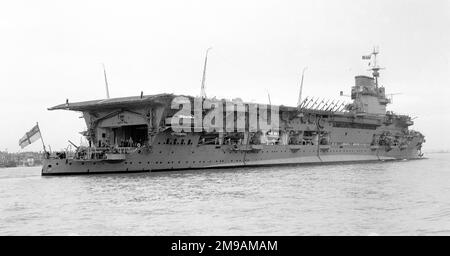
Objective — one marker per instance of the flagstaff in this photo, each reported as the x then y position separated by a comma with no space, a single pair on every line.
42,139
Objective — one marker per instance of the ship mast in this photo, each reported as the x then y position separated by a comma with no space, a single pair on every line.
375,68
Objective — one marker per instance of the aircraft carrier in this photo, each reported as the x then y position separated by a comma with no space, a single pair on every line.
162,132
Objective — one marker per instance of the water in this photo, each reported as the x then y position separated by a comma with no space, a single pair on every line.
391,198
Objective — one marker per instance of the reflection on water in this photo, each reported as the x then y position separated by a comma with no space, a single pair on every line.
391,198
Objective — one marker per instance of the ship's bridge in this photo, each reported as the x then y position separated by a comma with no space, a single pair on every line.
368,97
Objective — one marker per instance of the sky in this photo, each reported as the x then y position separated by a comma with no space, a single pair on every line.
51,51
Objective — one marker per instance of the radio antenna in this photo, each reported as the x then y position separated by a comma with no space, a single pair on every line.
268,95
301,88
203,92
106,81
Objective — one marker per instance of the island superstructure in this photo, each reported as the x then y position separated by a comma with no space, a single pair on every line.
161,132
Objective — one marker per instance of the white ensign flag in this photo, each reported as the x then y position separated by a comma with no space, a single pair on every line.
30,137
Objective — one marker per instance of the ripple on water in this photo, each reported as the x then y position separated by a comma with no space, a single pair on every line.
391,198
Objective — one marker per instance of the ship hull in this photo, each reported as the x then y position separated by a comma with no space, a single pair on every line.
169,157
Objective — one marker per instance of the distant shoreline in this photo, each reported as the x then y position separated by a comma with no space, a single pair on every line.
437,152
